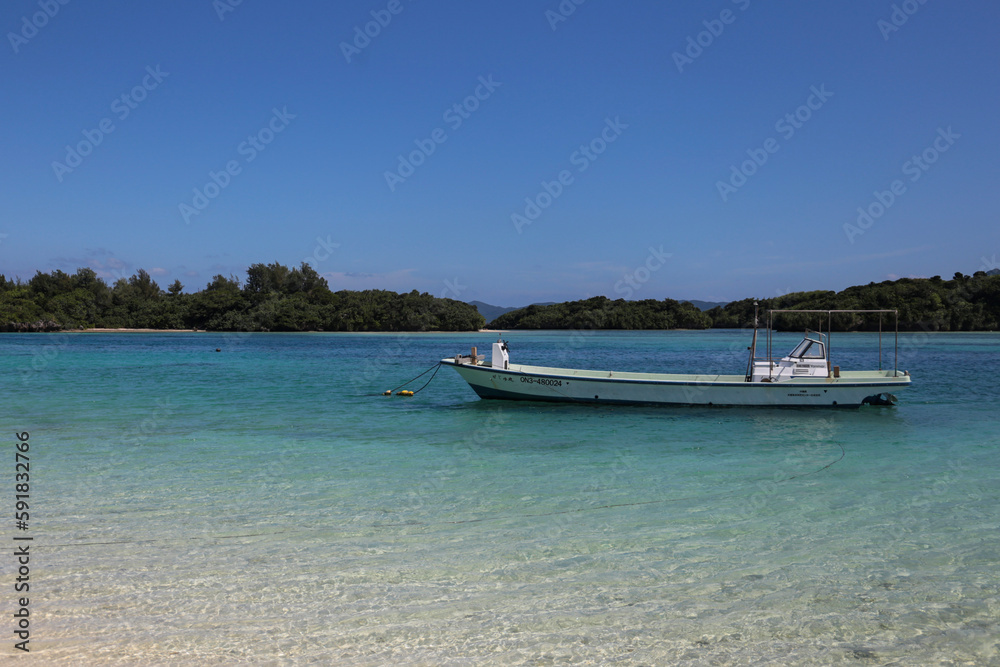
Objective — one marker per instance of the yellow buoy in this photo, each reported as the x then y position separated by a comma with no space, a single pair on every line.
387,393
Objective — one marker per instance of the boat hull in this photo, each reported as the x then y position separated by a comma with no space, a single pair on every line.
536,383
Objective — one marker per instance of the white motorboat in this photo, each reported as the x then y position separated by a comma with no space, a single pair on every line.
803,377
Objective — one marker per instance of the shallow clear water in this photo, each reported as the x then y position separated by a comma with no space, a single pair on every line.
265,503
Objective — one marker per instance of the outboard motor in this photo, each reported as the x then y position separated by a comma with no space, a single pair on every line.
880,399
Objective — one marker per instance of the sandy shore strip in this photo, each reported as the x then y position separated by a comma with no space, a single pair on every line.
99,330
104,330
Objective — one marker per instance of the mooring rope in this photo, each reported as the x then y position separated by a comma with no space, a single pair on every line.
436,367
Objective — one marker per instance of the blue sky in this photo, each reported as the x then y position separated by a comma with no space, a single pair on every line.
707,150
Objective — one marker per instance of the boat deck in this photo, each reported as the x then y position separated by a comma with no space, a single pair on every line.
580,374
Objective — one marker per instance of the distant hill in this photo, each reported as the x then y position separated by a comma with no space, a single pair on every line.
703,305
600,312
488,311
491,312
993,272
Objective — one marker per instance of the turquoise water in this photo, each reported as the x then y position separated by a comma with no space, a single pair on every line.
264,504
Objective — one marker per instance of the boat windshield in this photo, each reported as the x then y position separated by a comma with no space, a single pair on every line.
809,349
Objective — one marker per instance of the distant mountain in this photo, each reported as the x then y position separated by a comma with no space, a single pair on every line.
705,305
492,312
993,272
488,311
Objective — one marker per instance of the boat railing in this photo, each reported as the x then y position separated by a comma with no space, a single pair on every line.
824,338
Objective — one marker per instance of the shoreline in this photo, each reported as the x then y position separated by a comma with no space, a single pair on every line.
105,330
479,331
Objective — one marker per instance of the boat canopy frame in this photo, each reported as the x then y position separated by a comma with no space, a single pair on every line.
828,338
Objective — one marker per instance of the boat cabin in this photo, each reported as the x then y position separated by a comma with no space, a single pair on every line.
808,359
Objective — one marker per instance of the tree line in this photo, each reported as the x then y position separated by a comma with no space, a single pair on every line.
964,303
272,298
600,312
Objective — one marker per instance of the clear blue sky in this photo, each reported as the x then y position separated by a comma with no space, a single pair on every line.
866,91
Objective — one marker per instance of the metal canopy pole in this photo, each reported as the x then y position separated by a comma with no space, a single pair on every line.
880,341
770,323
829,339
829,313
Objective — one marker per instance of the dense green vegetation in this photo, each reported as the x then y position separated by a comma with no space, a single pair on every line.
600,312
964,303
273,298
276,298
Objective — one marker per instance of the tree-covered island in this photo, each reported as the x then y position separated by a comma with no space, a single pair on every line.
272,298
277,298
964,303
